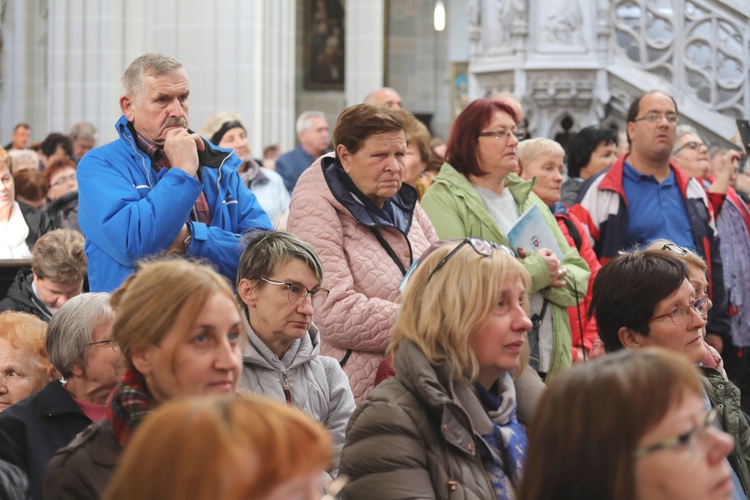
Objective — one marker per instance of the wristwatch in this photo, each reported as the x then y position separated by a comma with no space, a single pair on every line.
186,242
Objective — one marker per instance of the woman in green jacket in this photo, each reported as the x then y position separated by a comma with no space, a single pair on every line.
468,198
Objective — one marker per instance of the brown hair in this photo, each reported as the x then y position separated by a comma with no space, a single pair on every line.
56,166
586,451
31,184
164,293
417,133
59,256
247,447
24,330
357,123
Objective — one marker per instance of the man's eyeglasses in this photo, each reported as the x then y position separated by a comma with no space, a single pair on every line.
480,246
504,134
683,439
681,315
112,344
695,146
672,118
296,292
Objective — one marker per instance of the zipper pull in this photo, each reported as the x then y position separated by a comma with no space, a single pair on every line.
285,384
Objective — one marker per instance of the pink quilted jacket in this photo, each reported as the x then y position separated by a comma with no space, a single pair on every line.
362,277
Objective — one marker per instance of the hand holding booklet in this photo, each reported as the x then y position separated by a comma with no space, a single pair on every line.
532,233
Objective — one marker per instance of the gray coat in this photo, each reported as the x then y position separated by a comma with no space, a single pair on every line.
417,436
317,384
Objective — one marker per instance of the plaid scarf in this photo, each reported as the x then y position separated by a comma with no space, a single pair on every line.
200,212
129,403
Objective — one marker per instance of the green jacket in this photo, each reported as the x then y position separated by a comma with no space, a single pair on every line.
457,211
725,397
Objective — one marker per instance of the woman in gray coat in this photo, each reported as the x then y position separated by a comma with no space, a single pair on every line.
445,425
279,281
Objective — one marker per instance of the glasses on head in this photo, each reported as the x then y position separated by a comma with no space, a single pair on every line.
64,180
695,146
504,134
680,315
683,439
677,249
671,118
112,344
296,292
480,246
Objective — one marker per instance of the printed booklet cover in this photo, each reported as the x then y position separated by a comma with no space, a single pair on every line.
532,233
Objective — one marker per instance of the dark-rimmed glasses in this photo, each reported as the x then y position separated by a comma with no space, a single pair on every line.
504,134
680,440
695,146
480,246
296,292
112,344
671,118
680,315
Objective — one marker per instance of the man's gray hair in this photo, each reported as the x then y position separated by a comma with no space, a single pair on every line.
304,120
84,130
148,64
71,328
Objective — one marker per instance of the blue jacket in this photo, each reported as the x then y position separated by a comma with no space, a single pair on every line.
129,211
603,209
291,164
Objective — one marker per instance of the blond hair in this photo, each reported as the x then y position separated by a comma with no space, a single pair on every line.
247,447
692,260
530,149
164,294
441,316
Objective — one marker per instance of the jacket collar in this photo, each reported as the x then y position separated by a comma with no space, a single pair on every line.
55,400
612,180
397,211
302,350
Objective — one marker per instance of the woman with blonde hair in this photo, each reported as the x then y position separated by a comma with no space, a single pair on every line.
650,435
445,425
248,447
179,330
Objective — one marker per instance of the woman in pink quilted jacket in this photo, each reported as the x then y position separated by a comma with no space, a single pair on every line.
367,228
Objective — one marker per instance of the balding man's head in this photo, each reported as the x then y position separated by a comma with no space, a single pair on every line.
384,97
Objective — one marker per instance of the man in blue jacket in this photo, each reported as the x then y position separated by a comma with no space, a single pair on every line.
160,187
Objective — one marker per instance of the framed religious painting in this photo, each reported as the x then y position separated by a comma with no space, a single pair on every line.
324,46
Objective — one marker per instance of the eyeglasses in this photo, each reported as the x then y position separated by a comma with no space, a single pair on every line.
296,292
480,246
504,134
112,344
695,146
672,118
64,180
681,315
683,439
676,249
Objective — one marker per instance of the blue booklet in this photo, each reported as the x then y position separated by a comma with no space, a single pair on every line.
532,233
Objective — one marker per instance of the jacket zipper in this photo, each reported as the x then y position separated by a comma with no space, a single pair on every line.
285,384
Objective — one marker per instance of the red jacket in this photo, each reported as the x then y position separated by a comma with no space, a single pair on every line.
583,332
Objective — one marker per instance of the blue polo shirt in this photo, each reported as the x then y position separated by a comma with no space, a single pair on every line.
655,210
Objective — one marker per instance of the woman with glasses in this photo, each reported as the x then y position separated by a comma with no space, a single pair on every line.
477,194
365,223
732,223
179,332
445,425
62,205
648,434
724,395
279,281
646,299
79,345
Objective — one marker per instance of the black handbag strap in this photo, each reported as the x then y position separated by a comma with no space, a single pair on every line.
389,250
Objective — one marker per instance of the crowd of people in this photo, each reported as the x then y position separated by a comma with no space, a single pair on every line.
358,317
